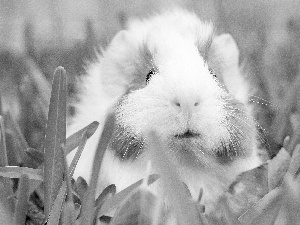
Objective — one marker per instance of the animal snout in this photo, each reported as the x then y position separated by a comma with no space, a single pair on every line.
185,105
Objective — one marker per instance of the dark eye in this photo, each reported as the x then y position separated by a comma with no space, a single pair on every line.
212,72
149,75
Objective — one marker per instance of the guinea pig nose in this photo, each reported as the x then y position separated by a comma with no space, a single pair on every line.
176,103
185,105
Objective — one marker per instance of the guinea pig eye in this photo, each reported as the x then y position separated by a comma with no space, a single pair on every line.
149,75
212,72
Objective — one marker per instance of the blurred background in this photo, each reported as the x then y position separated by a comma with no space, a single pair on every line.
36,36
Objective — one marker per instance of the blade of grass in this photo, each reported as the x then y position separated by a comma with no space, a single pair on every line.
6,203
16,172
35,175
55,136
277,168
40,81
16,131
1,105
75,160
108,191
115,201
20,144
172,187
3,151
295,162
5,214
136,209
54,216
22,203
68,178
88,208
291,199
68,209
265,210
81,187
68,214
295,139
74,140
58,203
282,118
4,162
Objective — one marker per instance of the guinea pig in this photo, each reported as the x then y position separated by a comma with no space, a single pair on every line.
178,78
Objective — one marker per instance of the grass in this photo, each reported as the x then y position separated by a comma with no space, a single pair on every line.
51,177
65,201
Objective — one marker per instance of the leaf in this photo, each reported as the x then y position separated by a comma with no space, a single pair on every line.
119,197
18,139
110,189
4,162
5,213
172,187
58,203
265,211
295,162
68,214
89,202
77,208
3,151
281,121
74,140
81,187
137,209
68,178
55,137
54,215
68,207
35,175
41,83
22,203
291,199
16,131
82,142
17,172
277,168
295,139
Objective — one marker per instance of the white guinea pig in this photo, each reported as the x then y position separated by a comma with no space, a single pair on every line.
185,83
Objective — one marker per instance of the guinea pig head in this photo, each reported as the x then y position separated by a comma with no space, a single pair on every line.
177,76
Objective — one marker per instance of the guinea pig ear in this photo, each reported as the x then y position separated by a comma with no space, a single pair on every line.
223,58
120,37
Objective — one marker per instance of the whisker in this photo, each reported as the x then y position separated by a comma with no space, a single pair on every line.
239,131
255,122
237,116
232,113
259,130
260,101
260,98
234,140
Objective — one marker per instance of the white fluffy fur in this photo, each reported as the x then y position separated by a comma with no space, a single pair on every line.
175,39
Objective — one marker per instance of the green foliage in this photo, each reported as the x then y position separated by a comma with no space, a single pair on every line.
54,139
43,177
22,202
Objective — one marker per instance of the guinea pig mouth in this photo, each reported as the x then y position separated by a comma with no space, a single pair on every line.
187,134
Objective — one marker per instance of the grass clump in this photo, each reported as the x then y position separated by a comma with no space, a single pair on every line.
41,188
